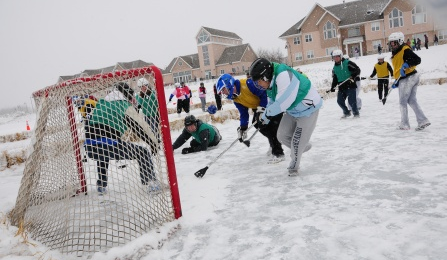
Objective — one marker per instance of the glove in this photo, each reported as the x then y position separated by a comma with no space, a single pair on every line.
351,80
332,89
263,121
257,115
395,84
402,70
188,150
242,133
170,100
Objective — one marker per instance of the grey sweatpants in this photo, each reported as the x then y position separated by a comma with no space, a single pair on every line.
295,133
407,96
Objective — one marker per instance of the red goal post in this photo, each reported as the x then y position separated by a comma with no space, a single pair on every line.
95,177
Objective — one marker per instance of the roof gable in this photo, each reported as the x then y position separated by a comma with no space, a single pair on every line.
219,33
232,54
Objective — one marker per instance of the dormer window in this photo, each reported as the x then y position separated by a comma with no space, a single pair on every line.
203,37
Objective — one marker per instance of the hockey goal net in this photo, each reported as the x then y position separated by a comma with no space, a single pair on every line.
100,170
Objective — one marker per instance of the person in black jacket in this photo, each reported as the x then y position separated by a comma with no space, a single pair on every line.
343,77
383,70
204,135
218,98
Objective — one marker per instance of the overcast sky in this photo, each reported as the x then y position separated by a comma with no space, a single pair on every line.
41,40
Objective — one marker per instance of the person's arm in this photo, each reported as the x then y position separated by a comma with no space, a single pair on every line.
411,58
204,140
288,86
183,137
390,69
375,72
354,69
334,81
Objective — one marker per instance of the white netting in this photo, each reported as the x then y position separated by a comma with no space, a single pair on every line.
100,170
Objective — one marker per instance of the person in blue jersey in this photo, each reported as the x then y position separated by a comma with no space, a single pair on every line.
344,76
290,92
204,136
246,96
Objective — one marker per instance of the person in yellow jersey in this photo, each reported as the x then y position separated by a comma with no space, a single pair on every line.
404,61
383,70
245,96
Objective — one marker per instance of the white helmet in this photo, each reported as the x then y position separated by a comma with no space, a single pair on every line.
397,36
346,57
381,57
142,82
177,85
337,53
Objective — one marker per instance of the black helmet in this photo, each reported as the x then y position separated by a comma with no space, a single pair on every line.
190,120
261,69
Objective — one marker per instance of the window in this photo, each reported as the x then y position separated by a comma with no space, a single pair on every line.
442,35
207,74
308,37
180,63
298,56
329,31
418,14
329,50
184,76
206,57
375,26
354,32
396,18
222,72
203,37
233,70
376,43
310,54
297,40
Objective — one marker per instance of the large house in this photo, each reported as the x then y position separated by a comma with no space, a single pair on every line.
219,52
357,26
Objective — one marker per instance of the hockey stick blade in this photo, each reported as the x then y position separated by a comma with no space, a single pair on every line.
201,172
247,143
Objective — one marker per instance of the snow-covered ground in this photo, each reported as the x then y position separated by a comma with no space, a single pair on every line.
365,190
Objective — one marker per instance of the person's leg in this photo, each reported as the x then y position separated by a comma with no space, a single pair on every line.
186,105
357,94
380,88
341,97
271,132
352,99
404,94
413,103
295,133
179,106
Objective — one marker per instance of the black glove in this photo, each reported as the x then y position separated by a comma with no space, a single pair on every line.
332,89
257,114
242,133
188,150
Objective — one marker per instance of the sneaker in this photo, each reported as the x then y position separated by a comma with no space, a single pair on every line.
346,115
402,128
293,173
276,158
422,127
101,190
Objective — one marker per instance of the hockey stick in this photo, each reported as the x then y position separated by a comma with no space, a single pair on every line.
391,89
247,142
338,85
201,172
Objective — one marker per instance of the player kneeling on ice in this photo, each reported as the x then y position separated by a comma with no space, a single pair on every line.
290,92
245,96
204,136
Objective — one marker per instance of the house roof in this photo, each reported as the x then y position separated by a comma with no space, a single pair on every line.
232,54
348,13
118,66
192,60
221,33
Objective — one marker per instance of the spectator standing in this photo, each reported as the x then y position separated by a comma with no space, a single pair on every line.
379,49
418,44
356,53
204,136
383,70
404,62
426,41
202,96
343,76
290,93
435,40
183,95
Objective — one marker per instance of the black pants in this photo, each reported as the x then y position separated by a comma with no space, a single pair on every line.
270,131
183,104
382,85
103,153
218,101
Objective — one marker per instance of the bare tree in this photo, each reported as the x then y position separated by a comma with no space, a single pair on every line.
271,55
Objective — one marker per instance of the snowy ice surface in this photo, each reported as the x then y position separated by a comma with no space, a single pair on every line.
365,189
